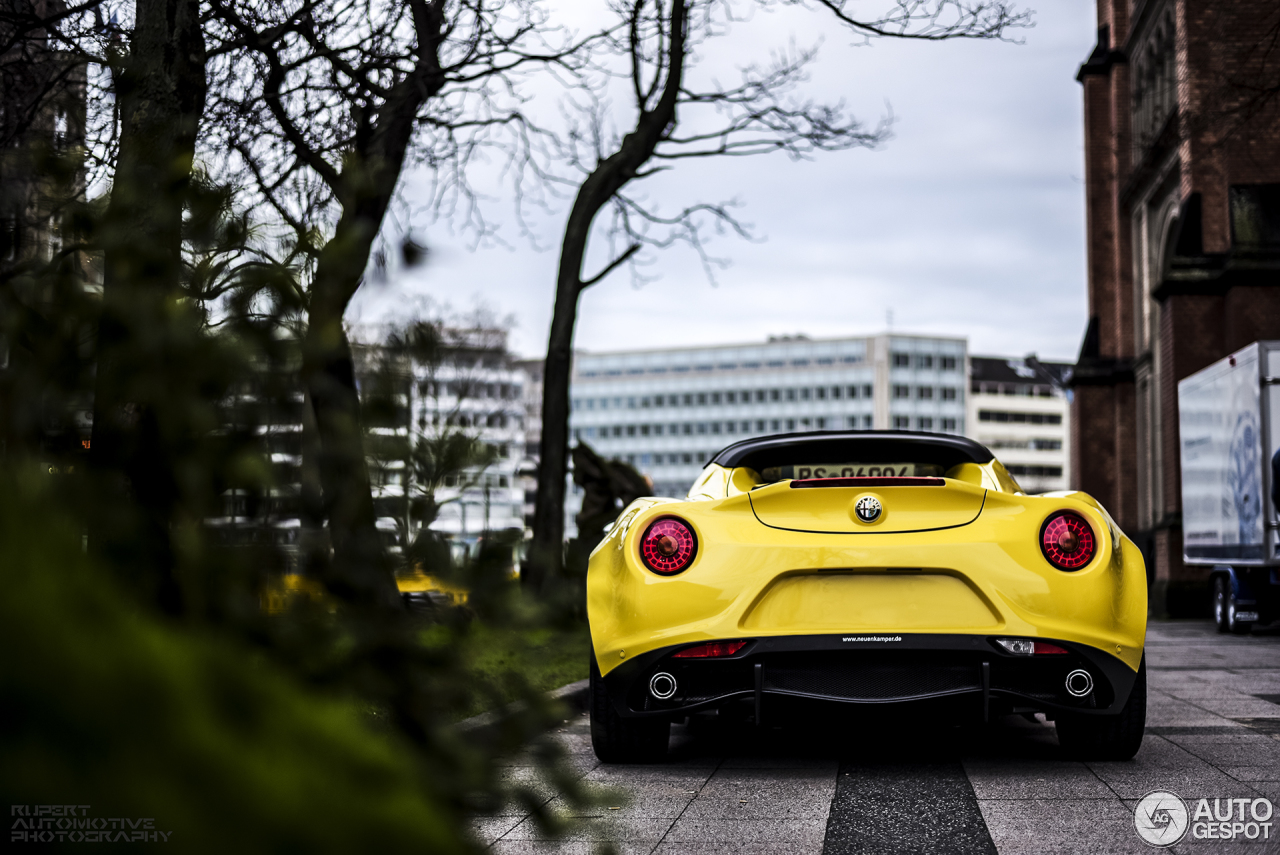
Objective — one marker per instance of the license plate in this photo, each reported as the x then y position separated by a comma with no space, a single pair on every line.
1246,617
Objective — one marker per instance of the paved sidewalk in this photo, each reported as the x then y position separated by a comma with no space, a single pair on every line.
894,788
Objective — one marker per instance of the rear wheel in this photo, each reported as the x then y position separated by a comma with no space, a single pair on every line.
623,740
1108,737
1226,608
1221,591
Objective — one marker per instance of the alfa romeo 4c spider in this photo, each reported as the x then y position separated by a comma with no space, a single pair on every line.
865,568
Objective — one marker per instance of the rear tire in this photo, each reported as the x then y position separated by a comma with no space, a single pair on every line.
1220,594
1226,607
623,740
1109,737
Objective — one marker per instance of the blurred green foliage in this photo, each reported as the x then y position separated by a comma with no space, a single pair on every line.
142,674
108,706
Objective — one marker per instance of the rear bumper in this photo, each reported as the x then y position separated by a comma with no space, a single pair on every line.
873,670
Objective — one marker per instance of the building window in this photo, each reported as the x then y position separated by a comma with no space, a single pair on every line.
774,395
866,422
822,423
924,423
791,394
853,392
715,397
835,393
702,397
820,393
924,360
866,390
901,422
791,424
686,458
925,393
900,391
1035,471
852,422
804,424
746,427
715,427
947,363
804,394
688,429
631,430
901,360
948,425
759,425
948,393
702,427
1019,418
774,424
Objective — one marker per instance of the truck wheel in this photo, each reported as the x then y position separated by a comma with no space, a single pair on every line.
1110,737
1221,591
1230,608
623,740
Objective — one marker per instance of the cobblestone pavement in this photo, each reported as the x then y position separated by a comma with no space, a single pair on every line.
1213,731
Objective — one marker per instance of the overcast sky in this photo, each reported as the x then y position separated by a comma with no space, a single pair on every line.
969,221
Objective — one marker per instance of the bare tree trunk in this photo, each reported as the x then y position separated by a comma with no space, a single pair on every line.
160,86
609,176
359,572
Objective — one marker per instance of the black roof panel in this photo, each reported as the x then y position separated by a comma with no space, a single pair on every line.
862,446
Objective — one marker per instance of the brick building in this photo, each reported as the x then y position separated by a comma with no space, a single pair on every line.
1182,175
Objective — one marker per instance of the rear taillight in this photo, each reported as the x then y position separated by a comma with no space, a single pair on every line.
710,650
1067,541
668,546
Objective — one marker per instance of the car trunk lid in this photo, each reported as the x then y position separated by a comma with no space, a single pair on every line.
831,505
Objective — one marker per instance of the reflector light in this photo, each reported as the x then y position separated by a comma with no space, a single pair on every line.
1044,649
668,546
710,650
1067,541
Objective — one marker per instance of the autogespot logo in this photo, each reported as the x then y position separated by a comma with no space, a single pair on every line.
1161,818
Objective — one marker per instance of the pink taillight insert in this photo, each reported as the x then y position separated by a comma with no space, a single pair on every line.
710,650
668,546
1067,541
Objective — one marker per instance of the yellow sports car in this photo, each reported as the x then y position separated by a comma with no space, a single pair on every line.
866,568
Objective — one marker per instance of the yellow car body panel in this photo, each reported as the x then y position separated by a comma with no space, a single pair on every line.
961,558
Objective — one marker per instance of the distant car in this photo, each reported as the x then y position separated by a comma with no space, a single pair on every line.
866,568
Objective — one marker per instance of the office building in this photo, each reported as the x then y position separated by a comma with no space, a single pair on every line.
1019,408
668,411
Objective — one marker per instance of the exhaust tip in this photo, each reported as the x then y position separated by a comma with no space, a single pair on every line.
1079,683
662,685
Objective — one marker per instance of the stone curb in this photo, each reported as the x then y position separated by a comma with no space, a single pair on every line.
573,696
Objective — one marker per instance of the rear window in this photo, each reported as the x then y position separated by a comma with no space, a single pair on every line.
771,474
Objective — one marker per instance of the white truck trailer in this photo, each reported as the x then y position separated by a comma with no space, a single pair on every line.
1229,429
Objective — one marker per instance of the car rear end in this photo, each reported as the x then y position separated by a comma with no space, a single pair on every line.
956,590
